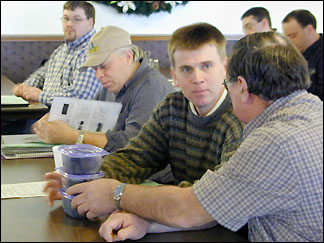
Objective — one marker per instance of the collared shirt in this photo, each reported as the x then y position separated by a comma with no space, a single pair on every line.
60,75
314,57
215,107
274,181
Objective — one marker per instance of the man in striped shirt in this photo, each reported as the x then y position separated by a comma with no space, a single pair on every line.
192,130
60,75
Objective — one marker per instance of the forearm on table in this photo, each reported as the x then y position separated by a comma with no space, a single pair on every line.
167,205
161,228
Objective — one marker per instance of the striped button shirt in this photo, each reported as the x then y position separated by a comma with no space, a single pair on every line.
60,75
274,181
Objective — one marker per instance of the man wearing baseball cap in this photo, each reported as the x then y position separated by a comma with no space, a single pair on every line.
127,78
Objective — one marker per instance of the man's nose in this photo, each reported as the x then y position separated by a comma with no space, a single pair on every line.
99,73
197,76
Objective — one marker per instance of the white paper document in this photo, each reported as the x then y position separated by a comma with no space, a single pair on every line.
20,190
88,115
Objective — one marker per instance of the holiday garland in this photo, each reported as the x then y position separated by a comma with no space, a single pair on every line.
142,7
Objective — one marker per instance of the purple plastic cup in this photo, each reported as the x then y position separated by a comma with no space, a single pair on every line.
82,159
70,180
73,212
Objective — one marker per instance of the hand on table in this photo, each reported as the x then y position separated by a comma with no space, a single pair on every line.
18,89
31,93
52,187
95,197
121,226
27,92
54,132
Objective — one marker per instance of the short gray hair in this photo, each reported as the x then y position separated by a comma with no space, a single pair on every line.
138,53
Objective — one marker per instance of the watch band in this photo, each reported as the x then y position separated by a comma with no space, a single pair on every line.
118,192
80,138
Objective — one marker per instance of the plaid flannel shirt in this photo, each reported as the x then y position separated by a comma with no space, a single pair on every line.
274,181
60,75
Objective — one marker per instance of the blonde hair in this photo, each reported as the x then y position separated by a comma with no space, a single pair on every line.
194,36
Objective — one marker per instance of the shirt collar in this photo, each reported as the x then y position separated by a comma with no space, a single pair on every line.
218,103
81,40
142,66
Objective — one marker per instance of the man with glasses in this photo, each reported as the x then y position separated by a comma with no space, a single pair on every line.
256,20
60,75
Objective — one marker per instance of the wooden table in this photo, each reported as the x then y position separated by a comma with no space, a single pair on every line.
33,110
31,219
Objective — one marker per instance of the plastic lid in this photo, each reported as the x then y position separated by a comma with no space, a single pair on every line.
64,194
82,150
71,176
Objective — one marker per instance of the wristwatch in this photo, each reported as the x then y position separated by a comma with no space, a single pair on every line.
118,192
80,138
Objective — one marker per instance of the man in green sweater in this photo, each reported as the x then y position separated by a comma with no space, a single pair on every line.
192,131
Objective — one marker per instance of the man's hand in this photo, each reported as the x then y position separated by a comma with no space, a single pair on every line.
27,92
31,93
52,187
121,226
95,197
54,132
18,89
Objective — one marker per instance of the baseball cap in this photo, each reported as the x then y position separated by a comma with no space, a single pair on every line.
103,43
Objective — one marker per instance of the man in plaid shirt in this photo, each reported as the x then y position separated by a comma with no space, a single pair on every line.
60,75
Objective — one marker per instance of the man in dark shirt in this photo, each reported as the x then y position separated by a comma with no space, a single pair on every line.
256,20
300,27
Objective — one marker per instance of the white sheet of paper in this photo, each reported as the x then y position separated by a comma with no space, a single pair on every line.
20,190
88,115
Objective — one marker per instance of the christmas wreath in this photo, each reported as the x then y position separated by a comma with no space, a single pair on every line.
142,7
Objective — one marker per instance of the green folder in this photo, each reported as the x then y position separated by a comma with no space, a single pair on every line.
24,146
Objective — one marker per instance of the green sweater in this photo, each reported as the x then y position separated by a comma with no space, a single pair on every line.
173,135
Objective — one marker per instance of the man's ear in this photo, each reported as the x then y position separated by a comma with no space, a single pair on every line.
245,95
174,77
265,23
225,65
91,22
129,56
309,29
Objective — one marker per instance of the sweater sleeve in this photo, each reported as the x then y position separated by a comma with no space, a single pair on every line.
142,157
233,138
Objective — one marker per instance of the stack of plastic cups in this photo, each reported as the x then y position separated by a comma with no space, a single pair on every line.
81,163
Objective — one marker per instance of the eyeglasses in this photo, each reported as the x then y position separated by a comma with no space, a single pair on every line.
73,20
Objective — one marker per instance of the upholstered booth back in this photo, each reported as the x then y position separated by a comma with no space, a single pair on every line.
19,58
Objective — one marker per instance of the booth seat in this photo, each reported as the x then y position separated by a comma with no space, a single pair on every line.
20,56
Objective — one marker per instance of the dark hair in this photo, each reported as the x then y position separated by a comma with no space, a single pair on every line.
193,36
303,17
270,64
87,7
259,13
